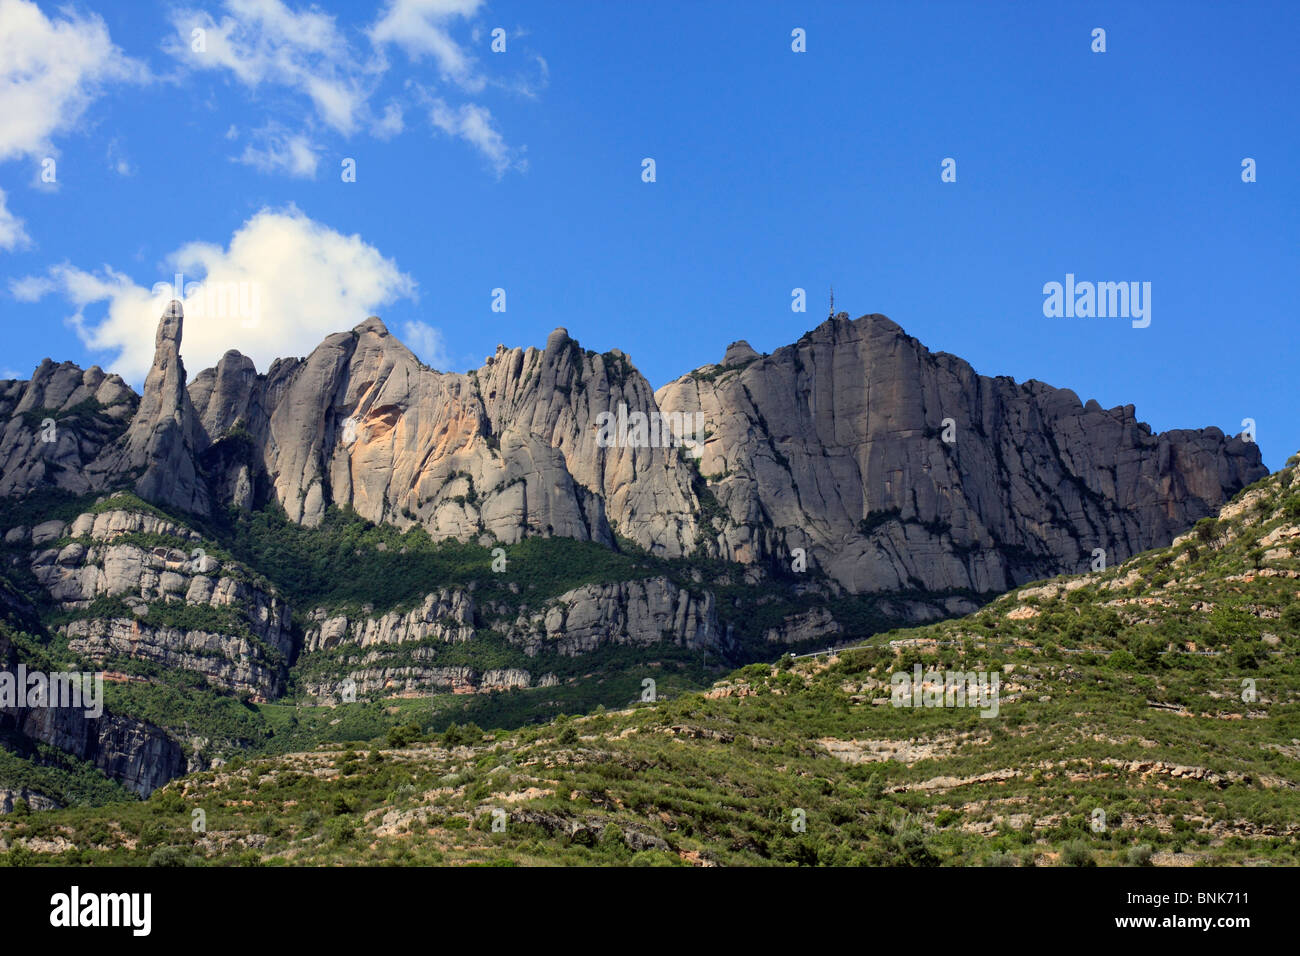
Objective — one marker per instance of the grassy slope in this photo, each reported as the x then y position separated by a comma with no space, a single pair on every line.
1122,692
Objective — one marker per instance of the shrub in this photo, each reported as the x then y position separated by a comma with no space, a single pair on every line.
341,830
167,856
399,737
1148,651
167,801
913,849
468,735
1245,654
1077,853
1122,660
1140,855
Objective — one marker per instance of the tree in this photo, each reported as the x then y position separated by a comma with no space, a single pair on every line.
1148,652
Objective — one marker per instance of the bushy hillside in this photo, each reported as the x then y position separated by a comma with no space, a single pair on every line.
1145,714
217,630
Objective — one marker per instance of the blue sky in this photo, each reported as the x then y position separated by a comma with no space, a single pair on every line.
522,170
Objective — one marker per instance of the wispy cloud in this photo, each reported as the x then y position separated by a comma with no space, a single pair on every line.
51,70
427,343
390,123
31,288
306,279
264,42
12,233
420,29
279,150
474,125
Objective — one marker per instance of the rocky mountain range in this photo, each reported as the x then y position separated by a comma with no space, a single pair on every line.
892,467
337,526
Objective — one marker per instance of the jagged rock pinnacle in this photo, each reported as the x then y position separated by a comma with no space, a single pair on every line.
170,325
557,339
738,353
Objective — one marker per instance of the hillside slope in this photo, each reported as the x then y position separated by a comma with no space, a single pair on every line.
239,552
1145,714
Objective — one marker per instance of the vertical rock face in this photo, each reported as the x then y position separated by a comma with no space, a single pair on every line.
136,754
552,399
164,438
508,450
57,424
894,468
836,444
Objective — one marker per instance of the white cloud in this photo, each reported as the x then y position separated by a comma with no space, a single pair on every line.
50,72
117,160
390,124
427,343
473,123
281,151
290,281
419,27
12,234
264,41
31,288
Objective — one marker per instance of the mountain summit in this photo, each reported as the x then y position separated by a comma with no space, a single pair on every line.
892,468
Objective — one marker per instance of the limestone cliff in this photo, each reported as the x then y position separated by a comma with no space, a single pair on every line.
896,468
893,468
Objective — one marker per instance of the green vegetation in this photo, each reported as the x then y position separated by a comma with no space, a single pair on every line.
57,775
1164,692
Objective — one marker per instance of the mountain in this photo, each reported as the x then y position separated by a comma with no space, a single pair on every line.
893,467
836,444
1145,714
243,552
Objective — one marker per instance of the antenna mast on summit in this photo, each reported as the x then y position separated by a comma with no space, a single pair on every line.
831,314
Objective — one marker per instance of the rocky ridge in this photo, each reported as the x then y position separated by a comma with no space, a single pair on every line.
894,468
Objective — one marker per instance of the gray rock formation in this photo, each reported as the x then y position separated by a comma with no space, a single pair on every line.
505,451
447,616
836,445
164,438
639,613
642,613
419,681
57,424
138,755
249,652
34,800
